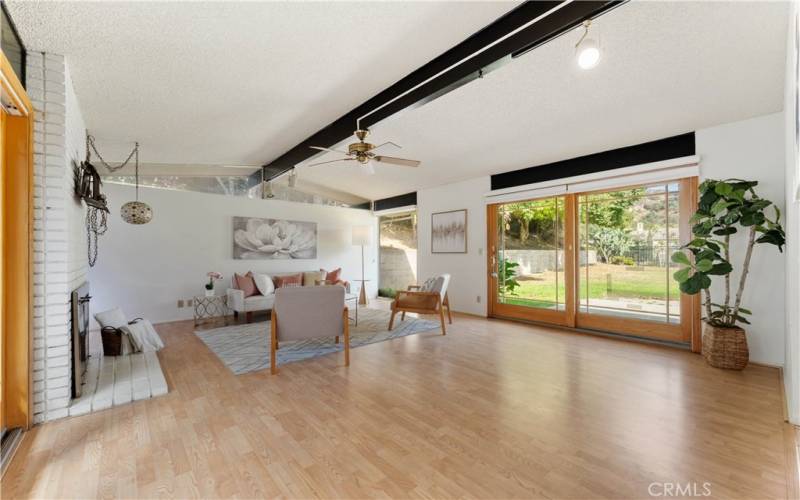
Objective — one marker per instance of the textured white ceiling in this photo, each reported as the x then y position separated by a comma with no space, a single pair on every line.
667,68
235,83
241,83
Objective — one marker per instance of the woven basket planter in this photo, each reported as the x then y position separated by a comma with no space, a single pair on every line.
725,347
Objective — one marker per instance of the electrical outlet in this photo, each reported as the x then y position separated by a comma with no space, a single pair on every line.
478,299
180,303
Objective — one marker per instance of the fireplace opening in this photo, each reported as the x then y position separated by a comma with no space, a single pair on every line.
80,336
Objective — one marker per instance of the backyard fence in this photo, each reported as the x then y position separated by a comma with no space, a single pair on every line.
539,261
652,254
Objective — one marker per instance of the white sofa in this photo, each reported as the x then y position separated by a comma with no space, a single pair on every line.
256,303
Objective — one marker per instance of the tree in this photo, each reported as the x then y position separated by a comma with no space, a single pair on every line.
609,241
723,206
612,209
540,214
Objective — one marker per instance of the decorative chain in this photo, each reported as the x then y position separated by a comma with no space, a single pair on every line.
90,146
94,229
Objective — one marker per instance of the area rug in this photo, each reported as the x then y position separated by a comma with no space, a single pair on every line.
245,348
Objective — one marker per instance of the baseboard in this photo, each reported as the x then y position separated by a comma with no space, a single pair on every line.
791,438
767,365
474,315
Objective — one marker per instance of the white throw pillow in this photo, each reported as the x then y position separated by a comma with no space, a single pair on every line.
113,317
428,285
264,284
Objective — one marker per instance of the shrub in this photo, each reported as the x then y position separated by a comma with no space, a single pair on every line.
619,260
609,241
508,278
387,292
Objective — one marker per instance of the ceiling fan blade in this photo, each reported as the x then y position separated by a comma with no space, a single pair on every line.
329,150
398,161
386,144
329,161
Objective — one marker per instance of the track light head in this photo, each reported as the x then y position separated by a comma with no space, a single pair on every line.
587,50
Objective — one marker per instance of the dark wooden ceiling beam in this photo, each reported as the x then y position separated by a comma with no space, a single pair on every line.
400,95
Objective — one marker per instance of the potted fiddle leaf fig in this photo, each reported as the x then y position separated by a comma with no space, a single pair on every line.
725,208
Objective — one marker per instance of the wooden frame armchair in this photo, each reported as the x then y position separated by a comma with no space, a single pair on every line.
308,312
430,298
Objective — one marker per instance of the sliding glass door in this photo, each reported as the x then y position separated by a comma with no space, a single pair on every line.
531,260
594,260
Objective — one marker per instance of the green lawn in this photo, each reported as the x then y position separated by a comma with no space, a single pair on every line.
644,283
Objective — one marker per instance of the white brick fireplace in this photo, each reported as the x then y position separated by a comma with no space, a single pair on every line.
60,262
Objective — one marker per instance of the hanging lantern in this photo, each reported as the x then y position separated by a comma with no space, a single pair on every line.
136,212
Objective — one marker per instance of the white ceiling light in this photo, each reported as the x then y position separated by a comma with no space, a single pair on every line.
587,50
368,168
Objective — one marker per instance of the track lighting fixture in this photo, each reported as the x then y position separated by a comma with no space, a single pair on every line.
293,178
587,50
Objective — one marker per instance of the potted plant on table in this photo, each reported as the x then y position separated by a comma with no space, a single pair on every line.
212,276
724,208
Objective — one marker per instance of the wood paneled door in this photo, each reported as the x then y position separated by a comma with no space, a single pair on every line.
596,260
16,221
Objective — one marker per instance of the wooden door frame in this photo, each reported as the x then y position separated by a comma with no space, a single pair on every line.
687,331
564,317
17,229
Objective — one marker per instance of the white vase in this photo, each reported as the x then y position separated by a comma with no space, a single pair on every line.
209,293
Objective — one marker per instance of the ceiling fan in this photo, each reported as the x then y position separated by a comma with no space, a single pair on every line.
363,153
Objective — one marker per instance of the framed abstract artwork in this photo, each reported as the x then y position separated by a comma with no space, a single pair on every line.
260,239
449,232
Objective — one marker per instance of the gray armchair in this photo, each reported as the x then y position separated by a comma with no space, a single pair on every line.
308,313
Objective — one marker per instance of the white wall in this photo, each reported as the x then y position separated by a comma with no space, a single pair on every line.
58,238
791,369
753,150
468,271
749,149
146,269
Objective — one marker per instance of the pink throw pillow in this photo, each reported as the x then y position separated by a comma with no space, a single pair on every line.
333,276
289,280
246,284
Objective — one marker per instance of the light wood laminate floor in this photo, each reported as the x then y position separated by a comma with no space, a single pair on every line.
493,410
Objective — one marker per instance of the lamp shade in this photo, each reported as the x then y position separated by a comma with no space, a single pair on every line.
362,235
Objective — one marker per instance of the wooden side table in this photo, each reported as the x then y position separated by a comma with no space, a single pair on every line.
210,308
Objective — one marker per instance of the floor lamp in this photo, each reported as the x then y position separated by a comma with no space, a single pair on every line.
362,237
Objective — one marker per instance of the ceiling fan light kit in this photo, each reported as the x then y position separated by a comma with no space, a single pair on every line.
364,153
368,168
